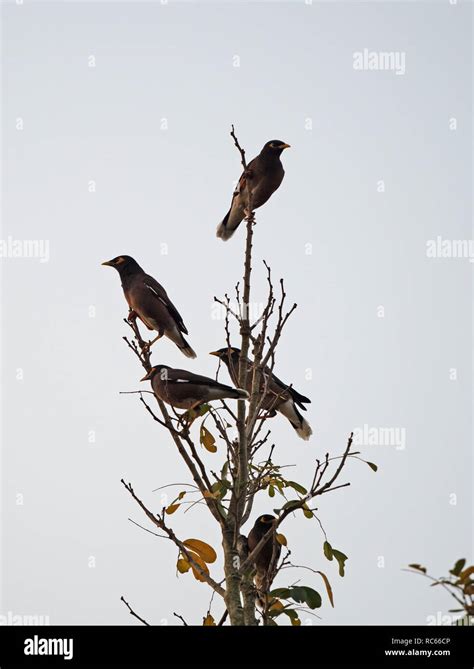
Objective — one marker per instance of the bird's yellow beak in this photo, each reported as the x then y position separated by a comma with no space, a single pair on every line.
285,146
216,353
109,263
147,376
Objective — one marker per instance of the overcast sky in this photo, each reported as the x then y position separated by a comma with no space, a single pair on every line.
115,127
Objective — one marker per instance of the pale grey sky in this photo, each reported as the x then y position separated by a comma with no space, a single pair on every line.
148,125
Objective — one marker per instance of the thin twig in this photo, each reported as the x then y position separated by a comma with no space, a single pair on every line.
132,613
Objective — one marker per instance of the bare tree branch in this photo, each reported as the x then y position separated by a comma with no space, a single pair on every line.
132,612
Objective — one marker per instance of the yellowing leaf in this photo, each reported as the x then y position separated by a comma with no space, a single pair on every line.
210,495
296,622
172,508
282,539
328,587
277,606
207,440
209,621
465,575
183,566
205,552
197,575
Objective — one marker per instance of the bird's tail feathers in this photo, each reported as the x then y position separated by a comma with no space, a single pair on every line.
242,394
300,424
230,222
223,231
263,599
304,430
300,399
186,349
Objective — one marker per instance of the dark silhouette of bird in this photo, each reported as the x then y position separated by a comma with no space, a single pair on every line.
263,176
149,301
185,390
279,397
266,561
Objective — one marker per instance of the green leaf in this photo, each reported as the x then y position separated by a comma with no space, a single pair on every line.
219,488
225,470
296,486
327,548
280,593
271,491
307,512
292,504
293,616
458,567
372,466
300,594
341,558
306,595
279,484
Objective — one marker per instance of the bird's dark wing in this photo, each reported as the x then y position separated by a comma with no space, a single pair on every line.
298,398
183,376
160,293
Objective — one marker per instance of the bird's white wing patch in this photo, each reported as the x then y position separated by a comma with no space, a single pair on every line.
162,300
152,289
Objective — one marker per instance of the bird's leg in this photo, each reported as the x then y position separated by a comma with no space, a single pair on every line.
197,409
190,415
150,343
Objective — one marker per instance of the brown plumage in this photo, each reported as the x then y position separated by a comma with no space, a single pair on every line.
149,301
185,390
279,397
266,561
263,176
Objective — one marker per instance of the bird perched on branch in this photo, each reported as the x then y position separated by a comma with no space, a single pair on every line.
263,176
266,561
185,390
149,301
279,396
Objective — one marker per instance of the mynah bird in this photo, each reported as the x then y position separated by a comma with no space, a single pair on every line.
267,559
149,301
185,390
263,176
279,396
